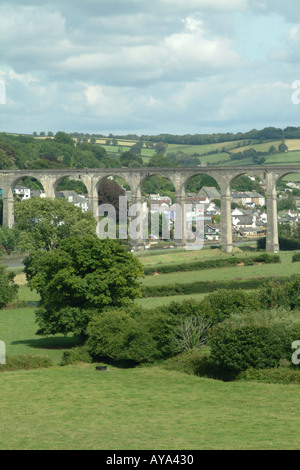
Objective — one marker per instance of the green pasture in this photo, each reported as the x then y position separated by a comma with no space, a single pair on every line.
216,159
205,148
18,331
288,158
155,302
263,147
179,256
286,268
79,408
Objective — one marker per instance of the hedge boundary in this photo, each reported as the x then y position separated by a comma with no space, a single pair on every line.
264,258
204,287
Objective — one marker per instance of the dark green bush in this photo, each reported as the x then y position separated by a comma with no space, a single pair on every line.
281,293
285,244
186,308
293,292
26,362
221,304
273,294
75,355
116,335
216,307
186,362
8,289
9,238
281,375
198,362
296,257
239,349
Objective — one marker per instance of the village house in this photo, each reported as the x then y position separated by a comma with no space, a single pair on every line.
76,199
212,232
248,199
22,192
209,192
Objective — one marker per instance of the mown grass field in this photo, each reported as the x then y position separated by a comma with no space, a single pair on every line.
78,408
286,268
145,408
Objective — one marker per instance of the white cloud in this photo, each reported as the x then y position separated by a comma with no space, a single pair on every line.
166,64
260,101
186,54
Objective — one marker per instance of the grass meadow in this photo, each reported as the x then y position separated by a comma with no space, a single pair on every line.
78,408
145,408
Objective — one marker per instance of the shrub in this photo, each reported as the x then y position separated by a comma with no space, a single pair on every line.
273,294
186,362
255,340
187,308
198,362
238,349
285,244
9,239
284,323
221,304
75,355
191,333
8,289
293,292
161,326
114,334
25,362
278,293
281,375
296,257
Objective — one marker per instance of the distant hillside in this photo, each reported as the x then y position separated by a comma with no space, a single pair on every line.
269,146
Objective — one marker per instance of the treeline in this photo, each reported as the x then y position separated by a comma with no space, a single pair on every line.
26,152
268,133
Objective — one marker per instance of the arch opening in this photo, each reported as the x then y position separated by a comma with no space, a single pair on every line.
203,198
157,211
288,211
73,190
27,187
113,198
248,210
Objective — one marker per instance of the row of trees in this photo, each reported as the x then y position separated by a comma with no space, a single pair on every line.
268,133
258,156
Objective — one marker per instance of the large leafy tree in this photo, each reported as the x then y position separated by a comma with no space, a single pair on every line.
44,222
80,278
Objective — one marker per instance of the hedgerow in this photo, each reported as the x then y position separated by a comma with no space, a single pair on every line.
213,263
205,287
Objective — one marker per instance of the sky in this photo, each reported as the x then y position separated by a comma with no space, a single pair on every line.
133,66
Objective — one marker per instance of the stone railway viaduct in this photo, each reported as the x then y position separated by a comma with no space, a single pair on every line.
179,177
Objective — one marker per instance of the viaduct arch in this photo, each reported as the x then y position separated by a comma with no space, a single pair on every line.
179,177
